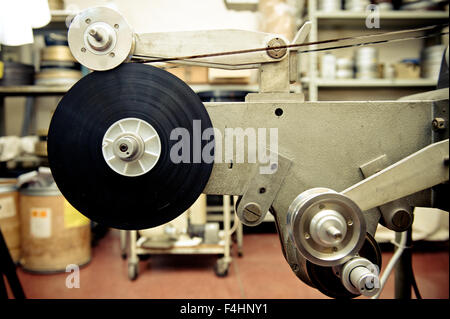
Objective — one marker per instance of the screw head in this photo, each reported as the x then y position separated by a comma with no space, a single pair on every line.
252,212
83,49
87,20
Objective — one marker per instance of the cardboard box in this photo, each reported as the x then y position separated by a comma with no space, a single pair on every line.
229,76
407,70
190,74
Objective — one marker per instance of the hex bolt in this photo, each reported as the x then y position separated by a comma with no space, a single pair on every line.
252,212
438,123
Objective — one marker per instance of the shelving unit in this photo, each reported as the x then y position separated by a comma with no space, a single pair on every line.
387,18
40,90
32,90
348,20
375,83
27,90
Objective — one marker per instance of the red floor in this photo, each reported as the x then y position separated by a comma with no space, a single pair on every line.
261,273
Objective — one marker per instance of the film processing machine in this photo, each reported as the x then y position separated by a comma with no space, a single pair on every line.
132,146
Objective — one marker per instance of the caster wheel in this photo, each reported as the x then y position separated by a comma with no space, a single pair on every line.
144,257
132,271
124,255
221,268
240,254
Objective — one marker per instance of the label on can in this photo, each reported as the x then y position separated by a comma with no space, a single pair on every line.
72,217
41,222
7,207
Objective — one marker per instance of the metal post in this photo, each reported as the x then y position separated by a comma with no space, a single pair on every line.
133,253
227,226
403,270
28,116
123,243
240,237
313,37
2,116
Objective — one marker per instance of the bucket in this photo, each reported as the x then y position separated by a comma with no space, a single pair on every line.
53,233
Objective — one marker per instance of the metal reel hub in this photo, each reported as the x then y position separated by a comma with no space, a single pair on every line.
327,228
100,38
131,147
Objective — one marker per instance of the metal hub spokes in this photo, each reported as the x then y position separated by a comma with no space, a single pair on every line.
131,147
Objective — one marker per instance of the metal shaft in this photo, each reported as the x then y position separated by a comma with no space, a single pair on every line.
403,273
96,35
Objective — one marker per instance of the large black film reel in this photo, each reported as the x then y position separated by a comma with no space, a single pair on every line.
77,132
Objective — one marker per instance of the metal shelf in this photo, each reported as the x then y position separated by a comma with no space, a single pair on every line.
199,249
60,90
33,90
375,83
228,87
61,15
387,18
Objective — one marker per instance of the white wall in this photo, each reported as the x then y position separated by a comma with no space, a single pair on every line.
177,15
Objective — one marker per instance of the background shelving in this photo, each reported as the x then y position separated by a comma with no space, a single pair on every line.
344,23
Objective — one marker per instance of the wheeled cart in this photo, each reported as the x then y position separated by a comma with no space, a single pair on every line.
137,247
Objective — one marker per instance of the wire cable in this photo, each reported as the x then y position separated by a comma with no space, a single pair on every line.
152,59
401,247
